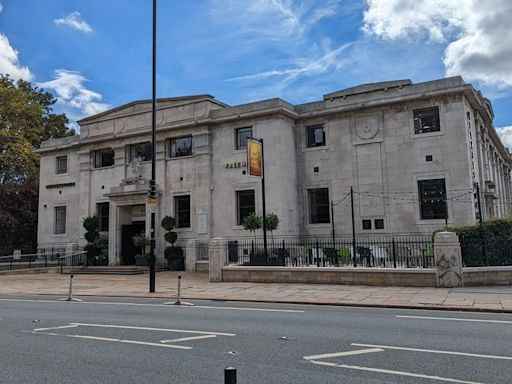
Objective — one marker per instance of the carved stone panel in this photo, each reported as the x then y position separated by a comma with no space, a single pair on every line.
448,260
367,128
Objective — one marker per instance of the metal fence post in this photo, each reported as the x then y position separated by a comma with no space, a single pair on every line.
317,254
394,252
229,375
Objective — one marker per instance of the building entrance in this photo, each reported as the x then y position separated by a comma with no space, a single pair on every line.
128,250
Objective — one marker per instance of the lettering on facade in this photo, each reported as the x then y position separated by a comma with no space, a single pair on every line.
62,185
237,164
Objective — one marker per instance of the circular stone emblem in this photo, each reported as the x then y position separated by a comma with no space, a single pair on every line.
367,127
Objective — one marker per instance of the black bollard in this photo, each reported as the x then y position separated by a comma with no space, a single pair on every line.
229,375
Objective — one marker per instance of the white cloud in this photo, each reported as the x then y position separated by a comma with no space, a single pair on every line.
275,19
505,134
74,20
9,62
1,7
72,93
477,33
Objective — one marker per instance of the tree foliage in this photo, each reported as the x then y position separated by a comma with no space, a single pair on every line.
26,120
252,222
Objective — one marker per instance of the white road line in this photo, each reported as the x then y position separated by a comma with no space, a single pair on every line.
59,327
399,373
385,347
161,305
153,329
339,354
128,341
455,319
188,338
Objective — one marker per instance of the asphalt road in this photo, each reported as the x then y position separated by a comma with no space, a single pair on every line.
141,341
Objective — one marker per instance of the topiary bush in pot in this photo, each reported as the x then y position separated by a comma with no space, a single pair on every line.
173,254
141,241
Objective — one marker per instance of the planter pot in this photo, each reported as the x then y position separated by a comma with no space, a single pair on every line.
176,264
142,261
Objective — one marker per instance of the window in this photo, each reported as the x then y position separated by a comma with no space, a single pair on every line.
319,205
315,136
242,134
432,197
103,158
182,211
426,120
180,146
379,223
140,151
60,220
102,210
367,224
245,205
62,164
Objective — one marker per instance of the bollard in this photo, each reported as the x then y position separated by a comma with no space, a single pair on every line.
230,375
178,296
70,294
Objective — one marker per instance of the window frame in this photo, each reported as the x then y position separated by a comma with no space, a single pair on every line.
101,215
238,144
366,224
313,128
313,215
97,158
421,130
239,216
57,230
178,211
58,170
172,140
378,227
425,199
132,151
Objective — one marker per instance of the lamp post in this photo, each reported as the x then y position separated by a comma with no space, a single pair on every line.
152,182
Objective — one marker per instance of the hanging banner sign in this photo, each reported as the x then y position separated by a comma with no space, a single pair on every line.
255,157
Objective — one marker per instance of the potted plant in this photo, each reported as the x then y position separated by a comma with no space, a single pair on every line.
141,241
97,245
173,254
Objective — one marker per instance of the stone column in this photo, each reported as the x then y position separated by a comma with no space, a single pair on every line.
191,255
448,260
218,255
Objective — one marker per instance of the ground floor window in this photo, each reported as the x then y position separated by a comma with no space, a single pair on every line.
245,205
182,211
60,220
318,205
432,198
102,210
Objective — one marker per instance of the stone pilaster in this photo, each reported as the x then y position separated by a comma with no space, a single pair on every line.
218,255
448,260
191,255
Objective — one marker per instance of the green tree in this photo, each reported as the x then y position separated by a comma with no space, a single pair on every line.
26,120
252,223
271,223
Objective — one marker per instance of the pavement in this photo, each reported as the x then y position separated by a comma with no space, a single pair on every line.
196,286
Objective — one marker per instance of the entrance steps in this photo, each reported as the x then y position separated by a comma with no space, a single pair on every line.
108,270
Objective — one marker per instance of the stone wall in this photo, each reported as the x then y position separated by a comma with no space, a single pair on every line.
487,276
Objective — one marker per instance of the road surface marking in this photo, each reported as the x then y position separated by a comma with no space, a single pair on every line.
386,347
399,373
129,341
161,305
59,327
455,319
152,329
188,338
339,354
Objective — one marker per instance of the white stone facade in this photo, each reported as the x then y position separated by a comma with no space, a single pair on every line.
370,143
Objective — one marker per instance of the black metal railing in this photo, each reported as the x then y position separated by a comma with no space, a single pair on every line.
27,261
482,252
384,252
73,260
202,251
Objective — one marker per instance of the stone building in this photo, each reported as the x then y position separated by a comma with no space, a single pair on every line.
413,154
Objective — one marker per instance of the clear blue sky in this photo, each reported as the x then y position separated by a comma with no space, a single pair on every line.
97,54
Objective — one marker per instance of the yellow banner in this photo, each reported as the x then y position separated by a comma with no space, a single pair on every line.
255,158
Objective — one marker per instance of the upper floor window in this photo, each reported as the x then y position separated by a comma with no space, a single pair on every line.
60,220
140,151
242,134
103,158
180,146
426,120
315,136
102,210
245,205
182,211
319,205
432,197
62,164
